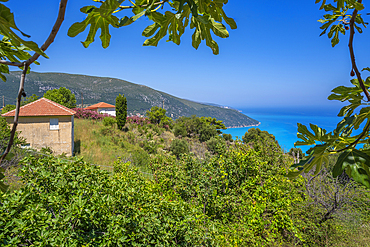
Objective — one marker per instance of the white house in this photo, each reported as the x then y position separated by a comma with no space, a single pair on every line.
103,108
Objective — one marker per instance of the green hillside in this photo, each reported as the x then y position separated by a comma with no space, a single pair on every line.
140,98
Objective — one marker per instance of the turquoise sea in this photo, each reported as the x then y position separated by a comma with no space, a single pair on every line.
282,122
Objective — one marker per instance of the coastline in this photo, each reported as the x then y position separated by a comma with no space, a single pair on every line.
243,126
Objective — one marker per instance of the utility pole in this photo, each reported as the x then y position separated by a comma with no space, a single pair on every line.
3,101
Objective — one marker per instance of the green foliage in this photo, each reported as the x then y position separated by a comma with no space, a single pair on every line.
12,47
216,145
255,134
206,132
203,128
61,96
179,130
346,15
202,16
238,197
339,19
296,152
158,116
29,99
5,135
179,146
216,123
7,108
4,139
109,121
227,137
140,158
76,204
245,196
121,111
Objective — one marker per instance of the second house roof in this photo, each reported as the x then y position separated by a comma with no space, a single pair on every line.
100,105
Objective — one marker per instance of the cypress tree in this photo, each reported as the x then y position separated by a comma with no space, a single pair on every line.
121,111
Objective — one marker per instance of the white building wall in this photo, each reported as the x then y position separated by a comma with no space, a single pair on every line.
110,111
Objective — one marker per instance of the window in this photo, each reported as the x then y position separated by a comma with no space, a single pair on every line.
54,124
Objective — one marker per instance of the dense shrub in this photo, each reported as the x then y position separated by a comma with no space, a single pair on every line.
77,204
15,153
207,132
195,127
7,108
109,121
179,147
150,146
89,114
179,130
140,158
158,116
246,200
255,135
138,120
216,145
227,137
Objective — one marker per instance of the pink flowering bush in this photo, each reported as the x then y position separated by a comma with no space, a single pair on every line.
138,120
89,114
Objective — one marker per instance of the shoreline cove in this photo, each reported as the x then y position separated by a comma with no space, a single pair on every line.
244,126
283,124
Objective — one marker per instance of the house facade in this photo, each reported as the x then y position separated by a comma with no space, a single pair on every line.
44,123
103,108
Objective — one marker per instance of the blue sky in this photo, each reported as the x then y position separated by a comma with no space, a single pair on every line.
275,58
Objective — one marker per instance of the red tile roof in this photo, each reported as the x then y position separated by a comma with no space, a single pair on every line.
42,107
100,105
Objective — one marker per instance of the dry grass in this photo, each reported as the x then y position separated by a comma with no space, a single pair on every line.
102,145
94,147
357,235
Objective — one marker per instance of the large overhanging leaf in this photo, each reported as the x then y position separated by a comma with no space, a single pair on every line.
356,164
97,18
203,15
318,158
13,54
7,25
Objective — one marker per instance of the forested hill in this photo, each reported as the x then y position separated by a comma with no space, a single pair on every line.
139,98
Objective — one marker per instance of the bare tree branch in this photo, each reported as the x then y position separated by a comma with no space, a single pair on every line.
15,122
364,133
26,64
11,63
54,31
352,53
333,195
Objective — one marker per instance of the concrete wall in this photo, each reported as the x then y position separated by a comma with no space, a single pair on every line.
36,131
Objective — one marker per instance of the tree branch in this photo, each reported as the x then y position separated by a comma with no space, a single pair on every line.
352,53
364,132
54,31
15,122
26,64
11,63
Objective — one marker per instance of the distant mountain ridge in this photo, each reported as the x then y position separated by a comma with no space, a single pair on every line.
140,98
